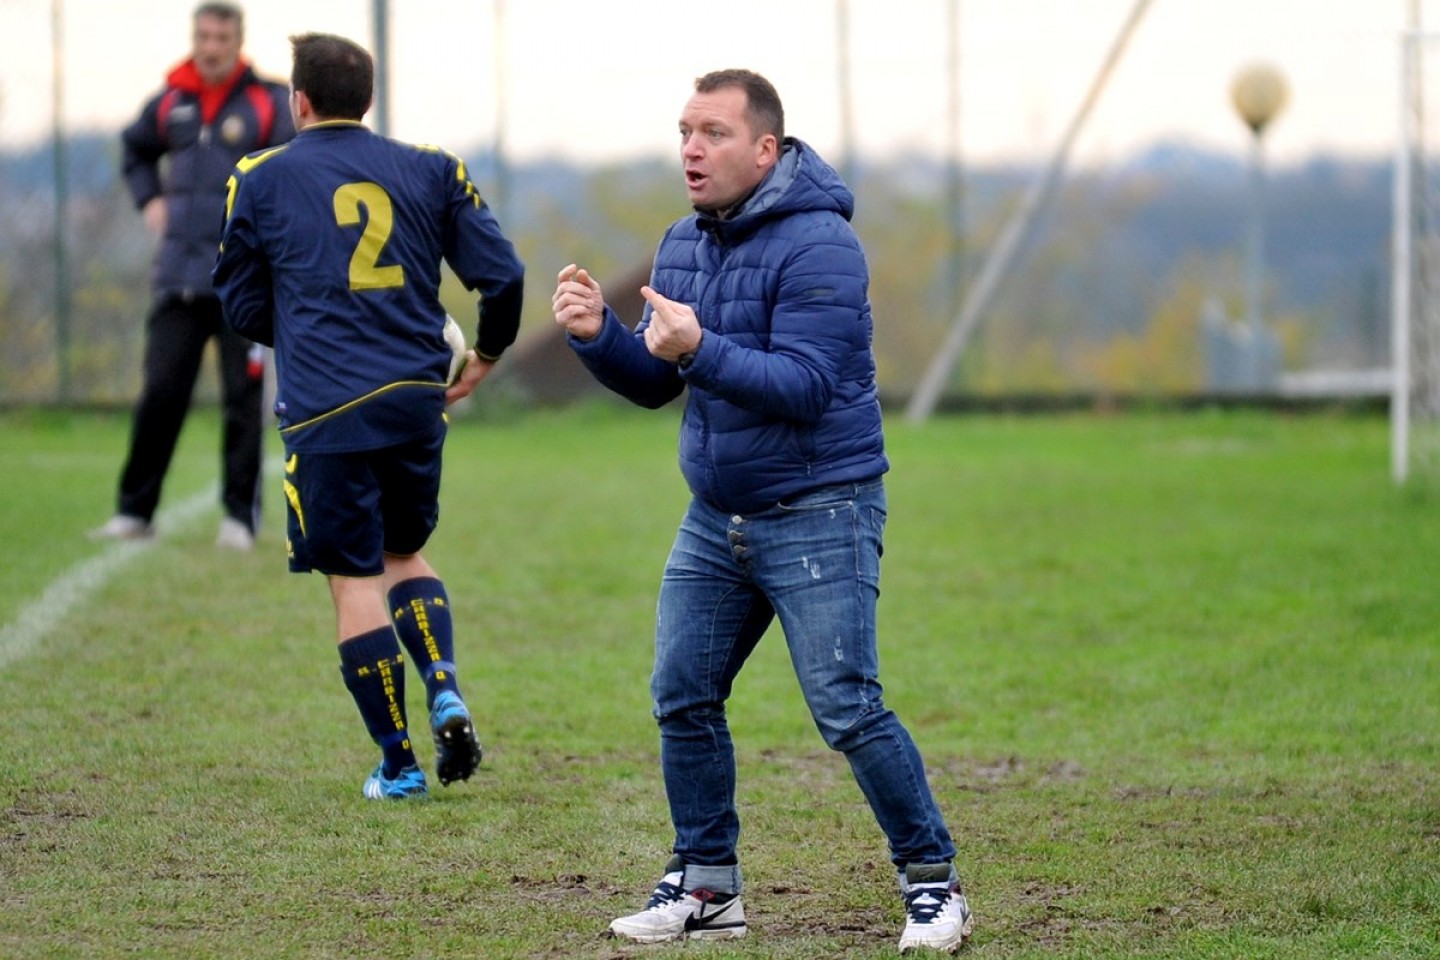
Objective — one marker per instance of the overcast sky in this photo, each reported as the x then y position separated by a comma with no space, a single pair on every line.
605,79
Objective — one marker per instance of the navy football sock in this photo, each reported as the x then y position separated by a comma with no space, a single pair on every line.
374,672
420,609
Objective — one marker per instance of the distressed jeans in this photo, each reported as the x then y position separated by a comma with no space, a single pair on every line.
813,562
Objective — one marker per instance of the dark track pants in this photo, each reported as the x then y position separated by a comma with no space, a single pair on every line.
175,336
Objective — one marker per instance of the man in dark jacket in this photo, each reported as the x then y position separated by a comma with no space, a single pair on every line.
758,304
212,111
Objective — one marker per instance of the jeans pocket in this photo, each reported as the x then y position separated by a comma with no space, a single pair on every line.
823,498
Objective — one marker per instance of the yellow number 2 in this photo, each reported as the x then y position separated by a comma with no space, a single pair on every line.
365,270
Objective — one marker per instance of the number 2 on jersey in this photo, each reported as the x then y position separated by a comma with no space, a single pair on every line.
365,270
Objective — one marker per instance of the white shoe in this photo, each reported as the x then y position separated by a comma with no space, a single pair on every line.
937,916
122,526
674,914
234,535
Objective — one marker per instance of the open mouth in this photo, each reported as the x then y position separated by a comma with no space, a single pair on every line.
694,178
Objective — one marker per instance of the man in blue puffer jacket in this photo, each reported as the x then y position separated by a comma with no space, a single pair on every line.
758,303
178,154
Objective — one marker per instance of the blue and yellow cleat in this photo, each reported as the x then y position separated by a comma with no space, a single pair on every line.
457,751
408,784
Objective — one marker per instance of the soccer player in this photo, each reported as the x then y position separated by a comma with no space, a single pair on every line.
213,110
332,252
758,305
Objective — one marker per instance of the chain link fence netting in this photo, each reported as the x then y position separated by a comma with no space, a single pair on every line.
1107,299
74,277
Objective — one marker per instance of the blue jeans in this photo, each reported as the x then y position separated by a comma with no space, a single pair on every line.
815,563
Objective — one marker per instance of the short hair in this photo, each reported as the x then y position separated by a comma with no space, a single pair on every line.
338,75
221,11
763,110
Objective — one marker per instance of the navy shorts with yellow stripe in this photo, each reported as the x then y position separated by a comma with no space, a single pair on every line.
347,510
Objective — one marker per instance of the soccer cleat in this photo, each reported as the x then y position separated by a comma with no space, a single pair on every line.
234,535
123,526
457,750
937,916
675,914
407,784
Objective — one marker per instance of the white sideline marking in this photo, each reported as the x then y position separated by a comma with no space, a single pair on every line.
37,618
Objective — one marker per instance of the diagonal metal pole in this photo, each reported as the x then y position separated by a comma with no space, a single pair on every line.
998,265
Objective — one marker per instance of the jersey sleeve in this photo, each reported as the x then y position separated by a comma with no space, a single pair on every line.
485,261
242,273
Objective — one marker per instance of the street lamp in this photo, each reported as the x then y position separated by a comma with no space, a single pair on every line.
1259,94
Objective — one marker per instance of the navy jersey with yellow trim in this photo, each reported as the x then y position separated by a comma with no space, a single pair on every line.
332,253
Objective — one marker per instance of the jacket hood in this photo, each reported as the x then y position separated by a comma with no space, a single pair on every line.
800,181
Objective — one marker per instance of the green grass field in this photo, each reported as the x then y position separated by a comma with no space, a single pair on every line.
1176,678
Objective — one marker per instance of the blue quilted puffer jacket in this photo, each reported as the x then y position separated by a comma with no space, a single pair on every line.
782,393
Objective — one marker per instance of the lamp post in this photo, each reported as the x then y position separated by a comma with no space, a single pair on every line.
1258,94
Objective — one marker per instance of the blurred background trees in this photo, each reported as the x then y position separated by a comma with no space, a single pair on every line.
1108,298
